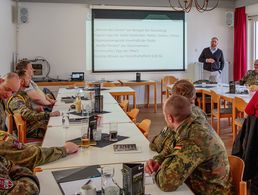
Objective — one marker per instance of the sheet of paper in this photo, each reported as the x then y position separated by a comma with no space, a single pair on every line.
73,187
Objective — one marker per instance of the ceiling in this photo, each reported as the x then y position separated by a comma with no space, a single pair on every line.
158,3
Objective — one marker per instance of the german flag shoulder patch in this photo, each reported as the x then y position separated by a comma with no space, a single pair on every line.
178,147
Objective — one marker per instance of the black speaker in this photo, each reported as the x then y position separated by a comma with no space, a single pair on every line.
138,77
232,87
24,15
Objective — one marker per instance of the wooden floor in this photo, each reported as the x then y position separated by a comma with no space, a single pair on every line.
158,123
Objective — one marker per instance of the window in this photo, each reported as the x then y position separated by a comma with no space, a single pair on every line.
256,39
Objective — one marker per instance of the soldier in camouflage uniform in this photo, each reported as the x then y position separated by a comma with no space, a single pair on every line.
186,89
251,78
20,103
196,155
17,180
8,84
30,155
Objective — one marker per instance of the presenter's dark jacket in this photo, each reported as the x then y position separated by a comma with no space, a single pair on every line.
218,65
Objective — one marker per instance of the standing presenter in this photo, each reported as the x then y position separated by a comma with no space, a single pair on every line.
213,61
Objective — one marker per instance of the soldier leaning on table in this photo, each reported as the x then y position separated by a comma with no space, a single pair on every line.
197,156
8,84
186,89
36,121
17,180
28,155
251,77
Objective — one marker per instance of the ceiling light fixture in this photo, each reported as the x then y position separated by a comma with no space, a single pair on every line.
186,5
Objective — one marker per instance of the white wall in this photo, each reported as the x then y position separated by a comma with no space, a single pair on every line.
7,36
57,32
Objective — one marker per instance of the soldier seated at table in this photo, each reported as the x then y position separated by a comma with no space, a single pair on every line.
28,155
33,91
8,84
31,155
251,77
186,89
20,102
16,180
197,155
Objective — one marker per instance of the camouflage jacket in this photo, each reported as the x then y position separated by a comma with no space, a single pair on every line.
251,78
28,155
197,156
17,180
21,103
159,144
2,115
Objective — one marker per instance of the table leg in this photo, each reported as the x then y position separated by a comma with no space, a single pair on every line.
148,95
134,100
155,97
204,102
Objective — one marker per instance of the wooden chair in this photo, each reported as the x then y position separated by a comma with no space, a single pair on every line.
133,114
237,167
124,105
10,123
144,126
167,80
22,129
238,114
218,112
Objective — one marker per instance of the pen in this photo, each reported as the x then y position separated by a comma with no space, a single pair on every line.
88,182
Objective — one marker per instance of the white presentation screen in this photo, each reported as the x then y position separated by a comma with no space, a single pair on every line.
126,40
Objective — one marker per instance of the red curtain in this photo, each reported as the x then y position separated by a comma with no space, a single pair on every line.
239,43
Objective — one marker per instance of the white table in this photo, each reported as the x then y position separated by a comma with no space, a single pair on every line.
55,136
116,115
107,98
221,90
49,185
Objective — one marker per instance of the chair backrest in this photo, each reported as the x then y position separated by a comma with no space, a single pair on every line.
21,127
108,84
133,114
239,104
215,99
124,105
10,123
237,166
144,126
167,80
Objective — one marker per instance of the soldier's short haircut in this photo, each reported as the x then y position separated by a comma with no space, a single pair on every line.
22,65
10,75
21,73
178,106
184,88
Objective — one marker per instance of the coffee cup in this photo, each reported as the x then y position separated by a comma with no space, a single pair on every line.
88,189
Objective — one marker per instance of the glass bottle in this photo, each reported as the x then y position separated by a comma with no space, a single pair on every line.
109,187
78,104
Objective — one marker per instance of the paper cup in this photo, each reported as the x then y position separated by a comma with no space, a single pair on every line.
88,190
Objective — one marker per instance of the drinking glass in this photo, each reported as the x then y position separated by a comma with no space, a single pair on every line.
113,131
85,140
65,125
